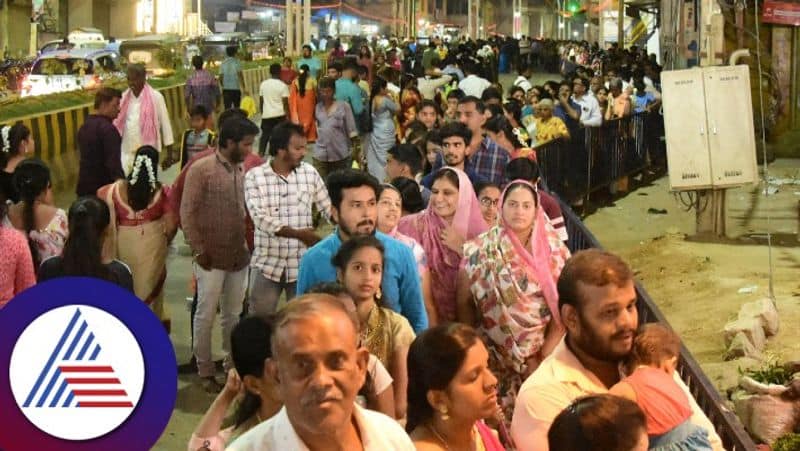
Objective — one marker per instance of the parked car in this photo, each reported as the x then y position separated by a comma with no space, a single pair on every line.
160,54
69,70
80,38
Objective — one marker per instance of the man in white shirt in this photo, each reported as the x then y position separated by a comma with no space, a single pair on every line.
143,119
280,195
525,73
428,84
319,368
591,116
274,105
597,303
473,85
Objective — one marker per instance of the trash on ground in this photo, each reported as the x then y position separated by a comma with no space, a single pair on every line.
748,289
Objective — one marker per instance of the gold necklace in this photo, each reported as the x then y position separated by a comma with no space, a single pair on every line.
444,442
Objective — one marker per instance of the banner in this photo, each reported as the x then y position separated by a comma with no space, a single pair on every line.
249,15
233,16
782,13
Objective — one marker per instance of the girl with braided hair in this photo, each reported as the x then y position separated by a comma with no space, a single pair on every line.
34,214
143,224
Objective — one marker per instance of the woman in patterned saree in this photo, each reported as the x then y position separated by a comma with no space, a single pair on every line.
142,227
507,288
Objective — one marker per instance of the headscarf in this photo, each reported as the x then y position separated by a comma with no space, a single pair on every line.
426,226
538,263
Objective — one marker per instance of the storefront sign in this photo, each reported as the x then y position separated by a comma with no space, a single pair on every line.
783,13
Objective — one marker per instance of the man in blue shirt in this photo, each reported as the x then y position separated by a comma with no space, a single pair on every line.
313,62
348,91
354,208
232,80
455,138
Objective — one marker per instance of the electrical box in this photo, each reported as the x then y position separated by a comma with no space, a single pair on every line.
708,120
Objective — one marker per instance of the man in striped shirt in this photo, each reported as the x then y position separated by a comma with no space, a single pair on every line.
279,196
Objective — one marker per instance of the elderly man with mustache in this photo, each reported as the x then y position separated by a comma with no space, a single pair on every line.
354,208
319,367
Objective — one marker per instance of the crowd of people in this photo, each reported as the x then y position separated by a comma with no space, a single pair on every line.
444,310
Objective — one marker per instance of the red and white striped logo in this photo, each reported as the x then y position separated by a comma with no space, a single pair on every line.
77,372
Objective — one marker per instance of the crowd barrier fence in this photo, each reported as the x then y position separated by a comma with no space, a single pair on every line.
596,157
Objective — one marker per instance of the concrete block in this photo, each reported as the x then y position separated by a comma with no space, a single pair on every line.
764,310
751,327
740,346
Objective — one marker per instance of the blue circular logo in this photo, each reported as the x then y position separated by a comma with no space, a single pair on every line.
89,367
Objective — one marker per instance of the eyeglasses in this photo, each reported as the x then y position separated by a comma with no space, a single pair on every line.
487,202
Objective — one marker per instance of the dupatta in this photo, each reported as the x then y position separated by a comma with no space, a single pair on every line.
425,228
503,272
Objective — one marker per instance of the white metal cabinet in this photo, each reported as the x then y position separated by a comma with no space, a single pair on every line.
709,127
685,128
731,136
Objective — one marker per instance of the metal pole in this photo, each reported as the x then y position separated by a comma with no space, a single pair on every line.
289,27
306,22
339,20
479,19
469,18
199,17
298,28
621,24
795,77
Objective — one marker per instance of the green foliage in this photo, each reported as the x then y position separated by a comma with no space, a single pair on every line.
772,372
42,104
789,442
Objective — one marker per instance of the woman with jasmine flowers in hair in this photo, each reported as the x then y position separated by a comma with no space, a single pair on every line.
142,227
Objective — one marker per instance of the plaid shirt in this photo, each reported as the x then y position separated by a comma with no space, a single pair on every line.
203,88
489,161
274,202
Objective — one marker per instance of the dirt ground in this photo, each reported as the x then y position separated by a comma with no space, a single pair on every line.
695,284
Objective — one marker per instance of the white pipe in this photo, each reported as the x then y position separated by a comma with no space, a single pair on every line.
737,54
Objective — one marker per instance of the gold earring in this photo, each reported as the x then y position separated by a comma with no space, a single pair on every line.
443,414
378,294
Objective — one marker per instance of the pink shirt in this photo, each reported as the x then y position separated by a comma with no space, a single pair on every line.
16,266
664,404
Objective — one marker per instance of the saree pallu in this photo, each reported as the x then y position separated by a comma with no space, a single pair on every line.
139,240
143,248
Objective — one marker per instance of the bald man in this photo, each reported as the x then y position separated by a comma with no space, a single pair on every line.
143,119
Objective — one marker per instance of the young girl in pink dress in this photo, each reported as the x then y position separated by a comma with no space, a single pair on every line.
652,386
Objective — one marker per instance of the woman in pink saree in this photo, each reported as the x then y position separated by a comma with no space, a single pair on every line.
507,288
451,390
453,217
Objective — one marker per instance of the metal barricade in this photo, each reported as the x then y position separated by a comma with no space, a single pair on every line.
730,429
596,157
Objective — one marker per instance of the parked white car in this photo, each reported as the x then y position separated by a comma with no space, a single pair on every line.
69,70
